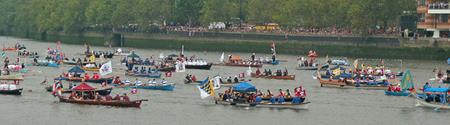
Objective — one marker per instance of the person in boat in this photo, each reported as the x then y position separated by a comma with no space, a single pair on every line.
273,58
253,57
269,72
229,80
163,81
236,80
86,76
137,82
285,72
266,73
426,86
72,95
96,76
125,97
136,70
108,98
288,93
117,80
280,96
98,97
269,94
117,97
258,72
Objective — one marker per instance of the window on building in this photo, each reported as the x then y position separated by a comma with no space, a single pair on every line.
443,18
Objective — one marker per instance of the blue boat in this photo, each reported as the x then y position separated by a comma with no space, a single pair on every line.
391,93
165,87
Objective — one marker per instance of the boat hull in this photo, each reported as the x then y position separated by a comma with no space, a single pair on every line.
101,80
166,87
204,67
390,93
151,75
12,92
136,103
286,105
423,103
102,92
243,65
288,77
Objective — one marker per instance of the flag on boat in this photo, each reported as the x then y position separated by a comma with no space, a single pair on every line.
216,82
92,58
106,68
222,58
337,71
407,81
249,71
182,50
180,66
206,89
355,63
273,48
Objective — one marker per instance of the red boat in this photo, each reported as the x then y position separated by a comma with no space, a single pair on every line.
135,103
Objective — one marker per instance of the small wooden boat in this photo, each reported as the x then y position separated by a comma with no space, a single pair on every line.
12,92
402,93
48,64
288,77
285,105
166,69
347,84
70,62
257,65
135,103
205,67
166,87
148,75
423,103
102,91
108,79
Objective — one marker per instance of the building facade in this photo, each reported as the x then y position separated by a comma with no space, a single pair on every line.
433,15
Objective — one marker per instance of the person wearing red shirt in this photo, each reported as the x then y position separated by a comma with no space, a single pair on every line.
86,76
96,76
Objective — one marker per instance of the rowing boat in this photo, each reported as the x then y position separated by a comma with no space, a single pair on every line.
166,87
205,67
148,75
401,93
257,65
285,105
135,103
347,84
287,77
103,91
107,79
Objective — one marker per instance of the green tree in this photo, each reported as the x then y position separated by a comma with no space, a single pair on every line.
188,11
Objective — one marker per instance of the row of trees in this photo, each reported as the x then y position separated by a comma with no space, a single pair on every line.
75,16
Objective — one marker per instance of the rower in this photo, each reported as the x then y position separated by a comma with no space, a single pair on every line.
125,97
281,96
236,80
137,82
163,81
258,72
117,80
153,81
253,57
285,73
86,76
117,97
96,76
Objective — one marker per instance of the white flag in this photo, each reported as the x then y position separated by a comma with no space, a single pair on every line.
249,71
222,57
106,68
216,82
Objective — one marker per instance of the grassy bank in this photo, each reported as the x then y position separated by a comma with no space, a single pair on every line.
283,47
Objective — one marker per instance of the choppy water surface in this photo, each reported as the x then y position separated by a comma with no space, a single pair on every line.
184,106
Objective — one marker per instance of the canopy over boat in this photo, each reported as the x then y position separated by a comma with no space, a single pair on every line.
83,87
76,69
244,87
235,58
436,90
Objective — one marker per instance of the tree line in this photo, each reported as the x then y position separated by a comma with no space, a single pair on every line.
77,16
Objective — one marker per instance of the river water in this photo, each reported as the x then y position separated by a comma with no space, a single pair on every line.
184,106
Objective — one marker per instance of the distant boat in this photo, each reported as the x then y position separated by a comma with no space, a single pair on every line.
448,61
